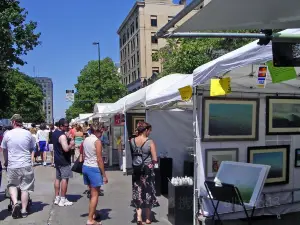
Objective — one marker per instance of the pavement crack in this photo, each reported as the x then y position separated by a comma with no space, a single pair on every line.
51,214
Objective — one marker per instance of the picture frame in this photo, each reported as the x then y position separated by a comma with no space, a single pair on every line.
297,157
230,119
282,115
214,158
136,120
248,178
276,156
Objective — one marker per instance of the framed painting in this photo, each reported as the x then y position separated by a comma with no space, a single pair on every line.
297,157
229,119
136,120
277,156
282,115
214,158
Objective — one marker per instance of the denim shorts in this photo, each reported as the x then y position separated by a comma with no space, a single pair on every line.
92,176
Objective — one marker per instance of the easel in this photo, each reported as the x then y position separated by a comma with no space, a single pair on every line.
226,193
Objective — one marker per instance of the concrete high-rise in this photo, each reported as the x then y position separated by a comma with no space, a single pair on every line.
47,87
138,42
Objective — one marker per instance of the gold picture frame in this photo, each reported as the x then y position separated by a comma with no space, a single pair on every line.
136,120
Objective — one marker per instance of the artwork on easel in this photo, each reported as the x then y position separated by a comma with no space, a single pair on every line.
248,178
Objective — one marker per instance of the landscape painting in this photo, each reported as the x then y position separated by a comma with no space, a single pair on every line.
297,157
214,158
248,178
277,157
230,119
283,115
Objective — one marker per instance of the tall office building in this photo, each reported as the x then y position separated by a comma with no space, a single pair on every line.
138,41
47,87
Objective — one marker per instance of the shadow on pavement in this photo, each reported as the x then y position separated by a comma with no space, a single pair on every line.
152,216
4,214
74,198
103,214
37,207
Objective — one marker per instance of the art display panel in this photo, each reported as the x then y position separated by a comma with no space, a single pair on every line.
277,157
214,158
248,178
229,119
282,115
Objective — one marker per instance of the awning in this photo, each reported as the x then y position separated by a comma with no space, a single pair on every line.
244,14
246,55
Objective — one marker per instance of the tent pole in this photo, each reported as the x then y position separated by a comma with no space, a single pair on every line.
125,144
195,194
178,17
275,37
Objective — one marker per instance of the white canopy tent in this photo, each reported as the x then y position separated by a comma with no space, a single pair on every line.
99,109
255,14
163,91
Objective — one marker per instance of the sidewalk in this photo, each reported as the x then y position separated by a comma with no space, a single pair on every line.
113,206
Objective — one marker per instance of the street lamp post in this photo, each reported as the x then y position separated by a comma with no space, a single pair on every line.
98,44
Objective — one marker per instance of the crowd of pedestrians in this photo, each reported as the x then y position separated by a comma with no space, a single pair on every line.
22,147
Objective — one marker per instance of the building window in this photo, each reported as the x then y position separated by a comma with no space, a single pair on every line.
137,22
137,40
132,29
153,38
129,80
128,50
129,66
155,70
138,57
154,56
153,21
128,34
120,42
49,112
124,39
138,73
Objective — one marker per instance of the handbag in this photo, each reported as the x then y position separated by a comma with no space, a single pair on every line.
77,167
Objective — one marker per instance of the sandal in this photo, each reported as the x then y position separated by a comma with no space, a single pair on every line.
139,223
95,223
148,222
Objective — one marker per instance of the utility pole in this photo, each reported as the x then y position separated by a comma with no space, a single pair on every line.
98,44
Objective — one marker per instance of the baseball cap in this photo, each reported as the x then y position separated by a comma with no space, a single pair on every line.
17,118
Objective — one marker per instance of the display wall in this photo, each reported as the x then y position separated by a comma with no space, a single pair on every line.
274,199
172,131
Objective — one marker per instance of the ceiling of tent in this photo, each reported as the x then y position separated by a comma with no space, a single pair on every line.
99,107
244,14
244,79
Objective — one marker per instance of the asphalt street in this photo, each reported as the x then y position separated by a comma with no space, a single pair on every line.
113,206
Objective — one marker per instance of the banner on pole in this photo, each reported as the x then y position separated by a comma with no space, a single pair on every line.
70,95
186,93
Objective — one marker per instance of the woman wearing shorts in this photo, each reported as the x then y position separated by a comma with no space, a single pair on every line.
93,169
43,138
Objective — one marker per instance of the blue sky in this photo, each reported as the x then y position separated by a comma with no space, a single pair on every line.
68,29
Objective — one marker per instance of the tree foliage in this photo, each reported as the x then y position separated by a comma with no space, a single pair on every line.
184,55
92,87
21,94
17,36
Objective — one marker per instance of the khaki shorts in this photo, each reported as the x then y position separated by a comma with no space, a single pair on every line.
21,177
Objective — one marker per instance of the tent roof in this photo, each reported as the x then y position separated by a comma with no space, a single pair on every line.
99,107
244,56
244,14
85,115
162,91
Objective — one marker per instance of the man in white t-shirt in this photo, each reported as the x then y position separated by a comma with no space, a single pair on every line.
17,145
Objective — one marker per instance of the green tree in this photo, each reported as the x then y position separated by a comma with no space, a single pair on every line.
22,95
17,35
183,55
92,87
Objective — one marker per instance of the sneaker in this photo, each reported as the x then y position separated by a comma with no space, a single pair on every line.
24,214
57,200
44,164
64,202
16,211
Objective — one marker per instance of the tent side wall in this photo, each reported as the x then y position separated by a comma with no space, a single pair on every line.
172,132
278,197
